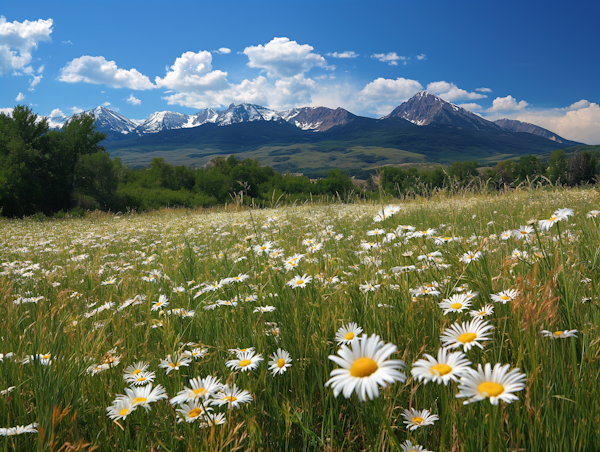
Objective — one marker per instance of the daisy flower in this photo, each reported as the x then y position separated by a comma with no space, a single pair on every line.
196,353
232,397
213,419
505,296
245,361
593,213
143,395
5,355
192,411
418,418
523,232
467,334
199,388
299,281
264,309
236,351
559,334
368,287
174,363
143,378
408,446
162,302
496,384
280,362
19,430
364,368
488,309
470,256
134,369
456,303
347,333
447,366
120,409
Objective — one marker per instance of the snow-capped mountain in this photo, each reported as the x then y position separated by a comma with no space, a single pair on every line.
425,108
162,120
316,118
106,120
246,113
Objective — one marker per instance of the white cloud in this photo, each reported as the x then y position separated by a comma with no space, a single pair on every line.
67,42
390,58
386,94
34,82
106,104
422,57
507,103
19,39
20,97
451,92
6,111
576,106
192,73
471,106
74,110
284,58
346,54
133,100
483,90
57,112
98,70
224,50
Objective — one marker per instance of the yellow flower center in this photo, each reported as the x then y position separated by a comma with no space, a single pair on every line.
199,391
136,371
46,356
349,336
174,365
467,337
441,369
230,399
245,362
124,411
456,306
195,412
138,400
280,362
417,420
263,247
141,379
552,219
490,389
558,333
363,367
300,281
505,297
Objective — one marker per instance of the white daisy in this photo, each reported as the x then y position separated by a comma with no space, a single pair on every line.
408,446
456,303
232,397
505,296
280,362
488,309
466,334
496,384
299,281
245,361
559,334
173,363
447,366
418,418
199,388
144,395
364,368
347,333
192,411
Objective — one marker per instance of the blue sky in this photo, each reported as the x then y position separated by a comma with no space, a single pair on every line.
533,61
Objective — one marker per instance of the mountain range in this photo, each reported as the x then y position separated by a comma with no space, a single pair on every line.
423,130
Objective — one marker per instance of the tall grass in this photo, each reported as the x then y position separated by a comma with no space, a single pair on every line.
558,410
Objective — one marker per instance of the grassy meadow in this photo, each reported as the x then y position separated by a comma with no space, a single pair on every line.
93,309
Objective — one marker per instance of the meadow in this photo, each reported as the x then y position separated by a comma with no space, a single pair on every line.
321,326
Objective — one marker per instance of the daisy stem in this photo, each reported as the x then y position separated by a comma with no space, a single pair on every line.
492,429
387,425
443,415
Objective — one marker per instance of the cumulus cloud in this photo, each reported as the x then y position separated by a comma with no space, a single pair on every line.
193,73
224,50
74,110
6,111
34,82
346,54
106,104
451,92
576,106
98,70
18,40
20,97
57,112
483,90
422,57
391,58
386,94
133,100
284,58
471,106
507,103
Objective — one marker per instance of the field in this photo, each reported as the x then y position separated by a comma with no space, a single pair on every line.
93,309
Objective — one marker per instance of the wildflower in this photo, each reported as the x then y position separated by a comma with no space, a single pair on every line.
179,290
505,296
134,369
456,303
280,362
488,309
559,334
264,309
506,235
523,232
364,367
162,302
199,388
408,446
418,418
470,257
174,363
299,281
265,248
245,361
237,351
196,353
497,384
593,213
192,411
5,355
467,334
120,409
448,366
95,369
144,395
212,419
368,287
143,378
232,397
7,390
19,430
347,333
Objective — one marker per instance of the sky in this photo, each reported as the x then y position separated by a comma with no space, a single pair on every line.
534,61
